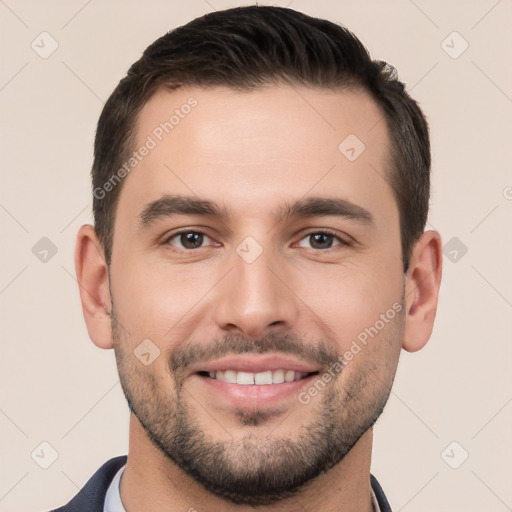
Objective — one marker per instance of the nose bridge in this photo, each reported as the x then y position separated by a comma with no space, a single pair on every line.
254,296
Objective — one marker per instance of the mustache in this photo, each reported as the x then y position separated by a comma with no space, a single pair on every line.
320,352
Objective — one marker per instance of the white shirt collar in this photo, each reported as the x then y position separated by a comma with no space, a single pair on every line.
113,501
375,503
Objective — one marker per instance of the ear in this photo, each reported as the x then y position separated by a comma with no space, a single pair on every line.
423,280
93,281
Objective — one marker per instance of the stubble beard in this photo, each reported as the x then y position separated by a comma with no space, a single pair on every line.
257,469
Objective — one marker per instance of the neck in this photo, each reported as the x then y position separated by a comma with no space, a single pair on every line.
152,482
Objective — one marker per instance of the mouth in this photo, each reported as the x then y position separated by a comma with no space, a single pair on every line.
256,381
264,378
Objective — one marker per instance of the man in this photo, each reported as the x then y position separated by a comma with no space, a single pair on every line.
258,261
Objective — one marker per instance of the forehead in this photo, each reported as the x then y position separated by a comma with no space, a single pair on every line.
221,114
249,148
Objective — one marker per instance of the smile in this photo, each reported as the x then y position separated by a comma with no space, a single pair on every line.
278,376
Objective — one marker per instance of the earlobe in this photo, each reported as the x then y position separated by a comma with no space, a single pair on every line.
93,281
423,281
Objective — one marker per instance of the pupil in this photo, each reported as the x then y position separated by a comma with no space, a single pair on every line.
325,240
191,240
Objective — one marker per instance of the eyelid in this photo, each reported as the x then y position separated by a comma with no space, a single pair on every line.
346,240
181,231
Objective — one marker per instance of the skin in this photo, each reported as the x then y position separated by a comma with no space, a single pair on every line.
250,152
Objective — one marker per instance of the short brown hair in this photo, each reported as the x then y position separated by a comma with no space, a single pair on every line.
249,47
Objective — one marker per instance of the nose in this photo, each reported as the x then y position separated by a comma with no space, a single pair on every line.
255,297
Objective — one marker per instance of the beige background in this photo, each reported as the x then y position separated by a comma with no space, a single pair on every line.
57,387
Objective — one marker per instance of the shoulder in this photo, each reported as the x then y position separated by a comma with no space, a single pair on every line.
92,495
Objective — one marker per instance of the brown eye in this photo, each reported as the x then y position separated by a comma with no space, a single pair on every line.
321,240
188,240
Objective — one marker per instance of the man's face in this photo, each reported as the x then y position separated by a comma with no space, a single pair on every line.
258,294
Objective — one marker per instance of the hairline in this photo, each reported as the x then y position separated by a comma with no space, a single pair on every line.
390,160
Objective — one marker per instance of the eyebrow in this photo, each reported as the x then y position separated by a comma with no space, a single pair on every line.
170,205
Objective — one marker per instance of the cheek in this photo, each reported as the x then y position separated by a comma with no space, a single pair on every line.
155,299
355,304
371,358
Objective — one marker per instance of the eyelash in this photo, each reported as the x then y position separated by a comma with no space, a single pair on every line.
326,231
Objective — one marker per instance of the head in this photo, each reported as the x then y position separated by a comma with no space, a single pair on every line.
251,48
261,190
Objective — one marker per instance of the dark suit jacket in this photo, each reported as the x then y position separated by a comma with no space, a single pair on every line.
92,497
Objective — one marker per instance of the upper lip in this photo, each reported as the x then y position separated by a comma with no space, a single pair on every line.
254,364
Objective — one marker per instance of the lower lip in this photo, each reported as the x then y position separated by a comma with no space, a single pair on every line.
254,396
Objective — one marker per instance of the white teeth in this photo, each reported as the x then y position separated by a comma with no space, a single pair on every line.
260,379
263,378
245,378
289,376
278,377
230,376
